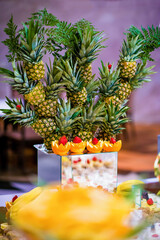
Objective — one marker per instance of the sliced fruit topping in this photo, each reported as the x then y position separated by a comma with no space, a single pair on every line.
113,140
95,141
18,107
77,140
79,160
14,198
75,161
63,140
150,201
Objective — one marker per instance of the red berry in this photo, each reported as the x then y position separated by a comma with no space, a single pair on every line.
100,161
109,66
94,159
63,140
18,107
75,161
77,140
113,140
79,160
14,198
88,161
150,201
95,141
70,181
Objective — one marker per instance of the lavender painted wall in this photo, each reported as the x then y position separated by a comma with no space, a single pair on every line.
113,17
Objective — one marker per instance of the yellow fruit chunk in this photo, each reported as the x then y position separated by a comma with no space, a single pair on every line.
78,147
112,147
95,148
60,149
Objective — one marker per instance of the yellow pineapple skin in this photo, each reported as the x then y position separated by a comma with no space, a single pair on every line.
86,73
127,69
44,126
35,71
124,90
115,100
79,98
36,95
47,108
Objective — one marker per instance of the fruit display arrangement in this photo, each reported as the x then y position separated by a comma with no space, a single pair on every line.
63,101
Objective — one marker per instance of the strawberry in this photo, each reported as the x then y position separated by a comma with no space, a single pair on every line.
150,201
77,140
18,107
75,161
88,161
94,159
113,140
95,141
14,198
79,160
63,140
109,66
70,181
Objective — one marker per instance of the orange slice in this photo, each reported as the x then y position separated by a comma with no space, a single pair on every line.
95,148
61,149
112,147
78,147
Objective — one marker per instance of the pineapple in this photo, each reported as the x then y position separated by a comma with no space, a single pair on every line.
91,117
33,92
129,54
75,86
114,118
44,126
124,90
24,115
31,50
109,84
48,108
87,44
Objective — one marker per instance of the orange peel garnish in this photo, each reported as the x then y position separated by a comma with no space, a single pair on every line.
78,147
95,148
112,147
60,149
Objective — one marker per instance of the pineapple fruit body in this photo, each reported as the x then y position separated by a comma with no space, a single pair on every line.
115,100
34,71
36,95
47,108
79,98
124,91
44,126
86,73
127,69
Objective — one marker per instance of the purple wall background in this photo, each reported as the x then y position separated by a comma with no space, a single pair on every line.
113,17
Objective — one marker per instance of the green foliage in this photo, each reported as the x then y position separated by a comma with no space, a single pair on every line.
142,75
150,37
12,42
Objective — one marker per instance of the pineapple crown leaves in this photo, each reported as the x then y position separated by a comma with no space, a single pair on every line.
87,44
150,37
109,80
67,118
70,75
53,81
131,48
142,75
19,78
12,42
32,42
92,115
23,115
114,118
